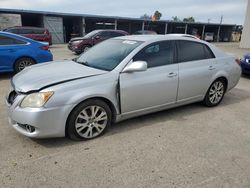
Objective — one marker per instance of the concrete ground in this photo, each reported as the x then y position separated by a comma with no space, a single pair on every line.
190,146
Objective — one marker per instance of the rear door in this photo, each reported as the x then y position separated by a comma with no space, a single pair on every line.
155,87
9,48
196,68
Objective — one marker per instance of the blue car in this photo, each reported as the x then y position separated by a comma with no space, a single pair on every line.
17,52
245,64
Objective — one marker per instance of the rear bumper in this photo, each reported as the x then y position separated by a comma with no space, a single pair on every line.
245,67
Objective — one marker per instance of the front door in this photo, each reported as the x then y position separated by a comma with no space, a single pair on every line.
157,86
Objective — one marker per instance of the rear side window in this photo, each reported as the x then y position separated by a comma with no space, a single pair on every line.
193,51
15,31
104,34
10,41
24,31
39,31
157,54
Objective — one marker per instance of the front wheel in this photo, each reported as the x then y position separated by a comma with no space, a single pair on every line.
215,93
89,120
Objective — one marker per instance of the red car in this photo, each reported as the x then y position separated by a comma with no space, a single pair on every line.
82,44
35,33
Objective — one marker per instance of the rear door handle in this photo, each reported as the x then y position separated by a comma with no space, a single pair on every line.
172,74
211,67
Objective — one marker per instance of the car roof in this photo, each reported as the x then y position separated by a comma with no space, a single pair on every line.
3,33
147,38
25,27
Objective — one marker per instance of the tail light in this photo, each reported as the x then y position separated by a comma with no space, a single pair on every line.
237,61
44,47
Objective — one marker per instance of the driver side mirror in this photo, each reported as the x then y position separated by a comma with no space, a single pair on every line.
137,66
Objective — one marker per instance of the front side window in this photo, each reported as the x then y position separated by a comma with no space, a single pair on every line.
108,54
116,34
10,41
104,34
193,51
157,54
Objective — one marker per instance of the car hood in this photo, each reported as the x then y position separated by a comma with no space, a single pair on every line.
37,77
76,38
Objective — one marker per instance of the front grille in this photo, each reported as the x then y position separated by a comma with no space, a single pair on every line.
12,96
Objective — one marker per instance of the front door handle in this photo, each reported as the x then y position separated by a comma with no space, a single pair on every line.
172,74
211,67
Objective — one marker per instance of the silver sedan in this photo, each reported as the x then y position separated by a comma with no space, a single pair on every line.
116,80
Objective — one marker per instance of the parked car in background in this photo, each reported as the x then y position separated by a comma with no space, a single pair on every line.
245,64
209,37
18,52
82,44
118,79
35,33
145,32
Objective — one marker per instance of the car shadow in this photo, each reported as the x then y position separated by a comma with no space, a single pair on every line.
6,76
178,114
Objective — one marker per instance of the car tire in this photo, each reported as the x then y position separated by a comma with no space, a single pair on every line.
88,120
215,93
22,63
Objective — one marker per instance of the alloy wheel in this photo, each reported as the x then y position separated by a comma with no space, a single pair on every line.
91,121
216,92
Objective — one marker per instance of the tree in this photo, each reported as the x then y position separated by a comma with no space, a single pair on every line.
176,19
157,15
189,19
146,17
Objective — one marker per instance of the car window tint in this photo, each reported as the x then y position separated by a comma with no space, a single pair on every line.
208,53
193,51
26,31
104,34
39,31
157,54
116,34
15,31
10,41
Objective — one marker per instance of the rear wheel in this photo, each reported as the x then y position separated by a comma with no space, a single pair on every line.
215,93
23,63
89,120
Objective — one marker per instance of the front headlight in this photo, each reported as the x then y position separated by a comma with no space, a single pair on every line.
36,100
248,60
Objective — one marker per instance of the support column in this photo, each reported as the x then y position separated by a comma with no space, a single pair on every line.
166,28
245,39
115,24
203,32
143,26
83,27
218,35
186,27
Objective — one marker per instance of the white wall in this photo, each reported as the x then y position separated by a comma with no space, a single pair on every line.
245,39
55,27
9,20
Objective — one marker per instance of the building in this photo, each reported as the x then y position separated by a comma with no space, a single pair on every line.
63,26
245,39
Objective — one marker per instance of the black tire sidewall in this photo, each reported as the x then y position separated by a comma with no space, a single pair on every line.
70,126
207,102
16,65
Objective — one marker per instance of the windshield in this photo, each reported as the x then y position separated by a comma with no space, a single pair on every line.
91,34
108,54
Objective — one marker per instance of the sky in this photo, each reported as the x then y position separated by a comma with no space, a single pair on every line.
233,11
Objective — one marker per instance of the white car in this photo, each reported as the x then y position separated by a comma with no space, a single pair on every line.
118,79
